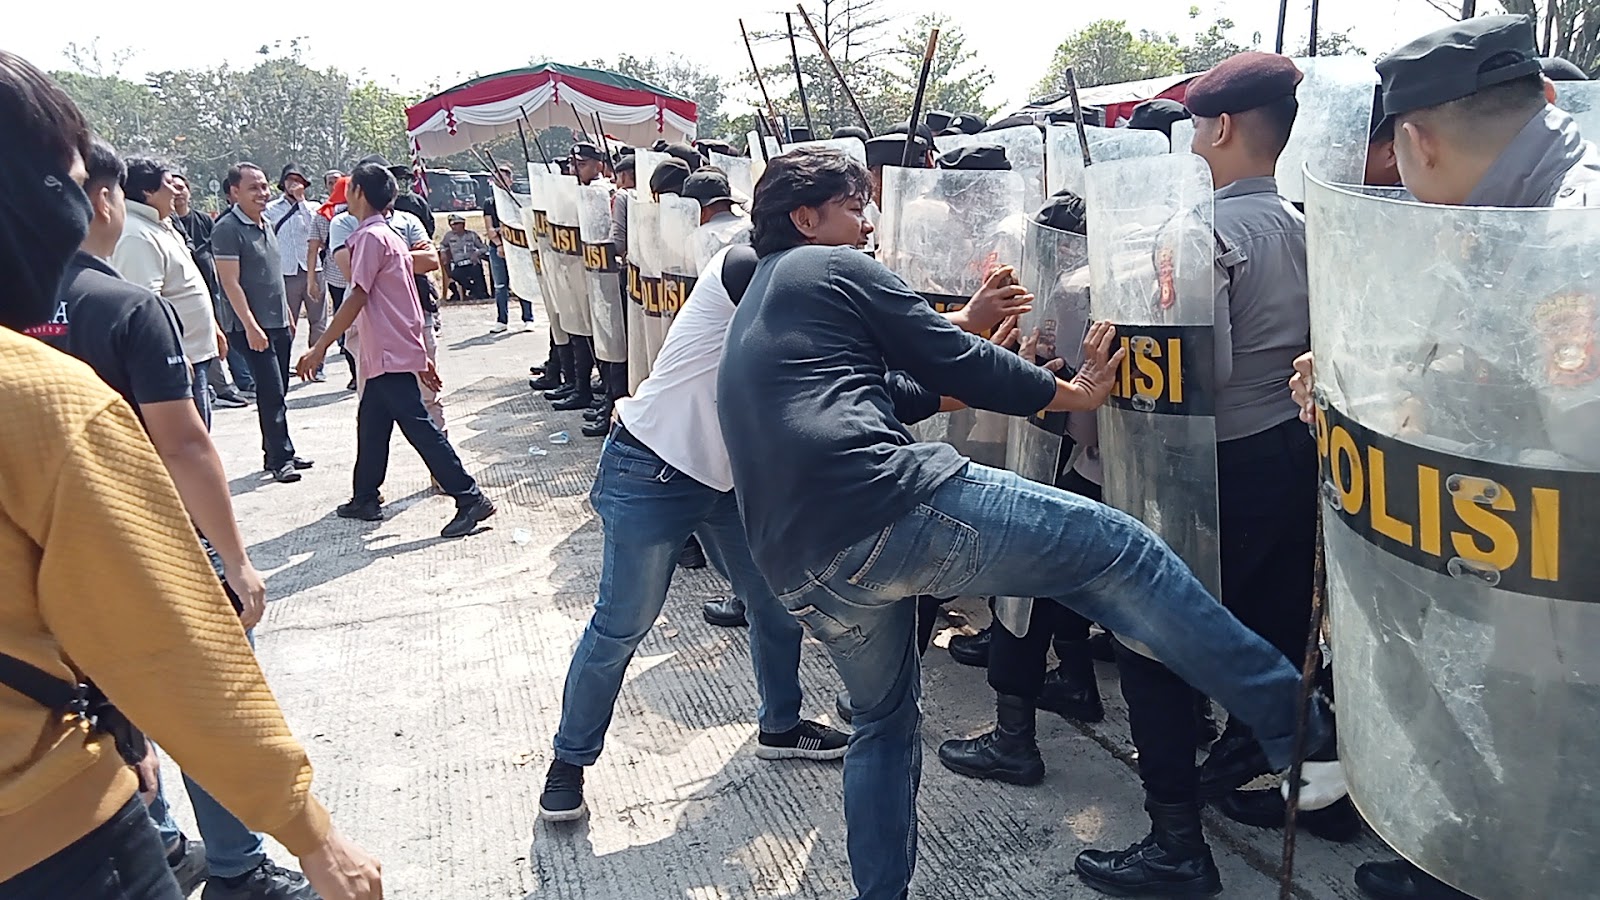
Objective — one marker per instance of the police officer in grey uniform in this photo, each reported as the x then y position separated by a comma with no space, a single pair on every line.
1244,109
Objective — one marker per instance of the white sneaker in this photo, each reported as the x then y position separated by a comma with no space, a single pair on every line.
499,328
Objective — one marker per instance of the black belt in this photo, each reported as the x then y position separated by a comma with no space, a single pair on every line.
622,435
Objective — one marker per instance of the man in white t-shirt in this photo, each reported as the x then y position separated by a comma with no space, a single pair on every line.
663,475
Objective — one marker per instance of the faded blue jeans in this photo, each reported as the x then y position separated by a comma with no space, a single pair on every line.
648,509
502,288
990,532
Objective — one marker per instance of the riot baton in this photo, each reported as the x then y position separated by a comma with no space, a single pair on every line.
582,131
772,112
1308,676
600,128
494,167
1311,42
523,136
1283,14
916,103
800,85
1077,115
542,157
848,94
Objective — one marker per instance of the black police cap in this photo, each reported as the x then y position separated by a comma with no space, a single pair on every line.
1457,61
969,123
937,119
976,158
586,150
669,176
1157,115
1558,69
1242,82
889,149
1017,120
1064,211
850,131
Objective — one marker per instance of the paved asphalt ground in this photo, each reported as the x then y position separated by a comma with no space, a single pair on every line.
425,678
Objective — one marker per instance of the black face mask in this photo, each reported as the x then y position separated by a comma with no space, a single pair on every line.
43,220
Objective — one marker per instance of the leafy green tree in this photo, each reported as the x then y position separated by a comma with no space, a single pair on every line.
1106,52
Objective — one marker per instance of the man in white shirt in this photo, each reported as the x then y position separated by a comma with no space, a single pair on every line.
153,255
291,218
664,474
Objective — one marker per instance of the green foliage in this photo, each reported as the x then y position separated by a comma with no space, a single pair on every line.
1106,52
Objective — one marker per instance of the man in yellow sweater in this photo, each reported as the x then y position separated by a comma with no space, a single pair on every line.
105,580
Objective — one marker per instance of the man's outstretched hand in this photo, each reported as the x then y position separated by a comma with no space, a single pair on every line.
1092,385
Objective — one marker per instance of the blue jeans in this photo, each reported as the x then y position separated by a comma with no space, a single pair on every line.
502,289
648,510
119,860
989,532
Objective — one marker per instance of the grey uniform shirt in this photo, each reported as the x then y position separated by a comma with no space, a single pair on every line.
1548,163
255,248
619,221
1263,309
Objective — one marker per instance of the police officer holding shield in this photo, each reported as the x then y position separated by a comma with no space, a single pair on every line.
1244,109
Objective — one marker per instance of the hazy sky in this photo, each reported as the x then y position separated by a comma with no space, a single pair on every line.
450,43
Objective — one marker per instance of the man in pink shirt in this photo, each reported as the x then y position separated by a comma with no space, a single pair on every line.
393,361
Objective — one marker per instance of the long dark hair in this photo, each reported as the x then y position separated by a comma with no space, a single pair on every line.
808,176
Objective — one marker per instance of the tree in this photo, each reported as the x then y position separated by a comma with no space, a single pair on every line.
1106,52
956,81
1213,45
1566,28
856,33
1336,43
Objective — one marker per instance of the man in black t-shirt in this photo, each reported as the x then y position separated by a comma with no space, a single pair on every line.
195,227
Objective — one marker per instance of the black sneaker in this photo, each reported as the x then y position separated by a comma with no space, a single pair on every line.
265,882
366,511
188,864
562,800
230,400
726,612
808,740
691,556
285,474
467,518
300,463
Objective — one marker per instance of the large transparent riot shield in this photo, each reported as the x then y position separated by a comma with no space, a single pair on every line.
680,217
1064,153
601,273
943,232
1458,418
1055,266
521,276
537,219
849,146
740,172
1024,146
1581,101
713,236
564,268
1152,255
1183,136
1331,128
643,284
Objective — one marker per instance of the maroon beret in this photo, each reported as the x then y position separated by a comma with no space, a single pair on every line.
1242,82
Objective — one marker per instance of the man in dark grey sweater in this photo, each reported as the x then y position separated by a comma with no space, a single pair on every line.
847,516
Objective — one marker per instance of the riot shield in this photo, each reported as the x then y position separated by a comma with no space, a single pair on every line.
712,237
1331,128
943,232
680,217
1055,267
740,172
1152,255
601,272
537,219
1064,154
643,284
564,267
1581,101
1183,136
849,146
520,273
645,163
1024,147
1458,438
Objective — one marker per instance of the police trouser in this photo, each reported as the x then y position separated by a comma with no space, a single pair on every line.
1267,500
1017,664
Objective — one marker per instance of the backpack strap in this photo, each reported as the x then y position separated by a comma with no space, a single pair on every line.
41,687
738,267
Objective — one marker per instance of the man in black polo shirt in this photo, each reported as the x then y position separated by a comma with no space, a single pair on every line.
257,314
130,337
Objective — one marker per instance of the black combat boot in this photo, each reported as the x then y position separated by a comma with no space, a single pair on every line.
582,396
1172,861
1070,690
972,649
1009,753
1236,760
565,365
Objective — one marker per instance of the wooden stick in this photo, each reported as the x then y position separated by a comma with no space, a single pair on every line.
916,104
848,94
542,156
772,112
1308,675
605,145
495,167
799,83
1077,115
523,135
1283,15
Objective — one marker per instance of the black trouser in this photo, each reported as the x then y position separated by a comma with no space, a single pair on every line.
1017,664
122,859
470,280
1267,498
337,293
395,398
270,368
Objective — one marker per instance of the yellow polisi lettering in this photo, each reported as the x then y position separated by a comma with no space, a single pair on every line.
1503,544
1428,510
1175,365
1381,520
1546,561
1342,445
